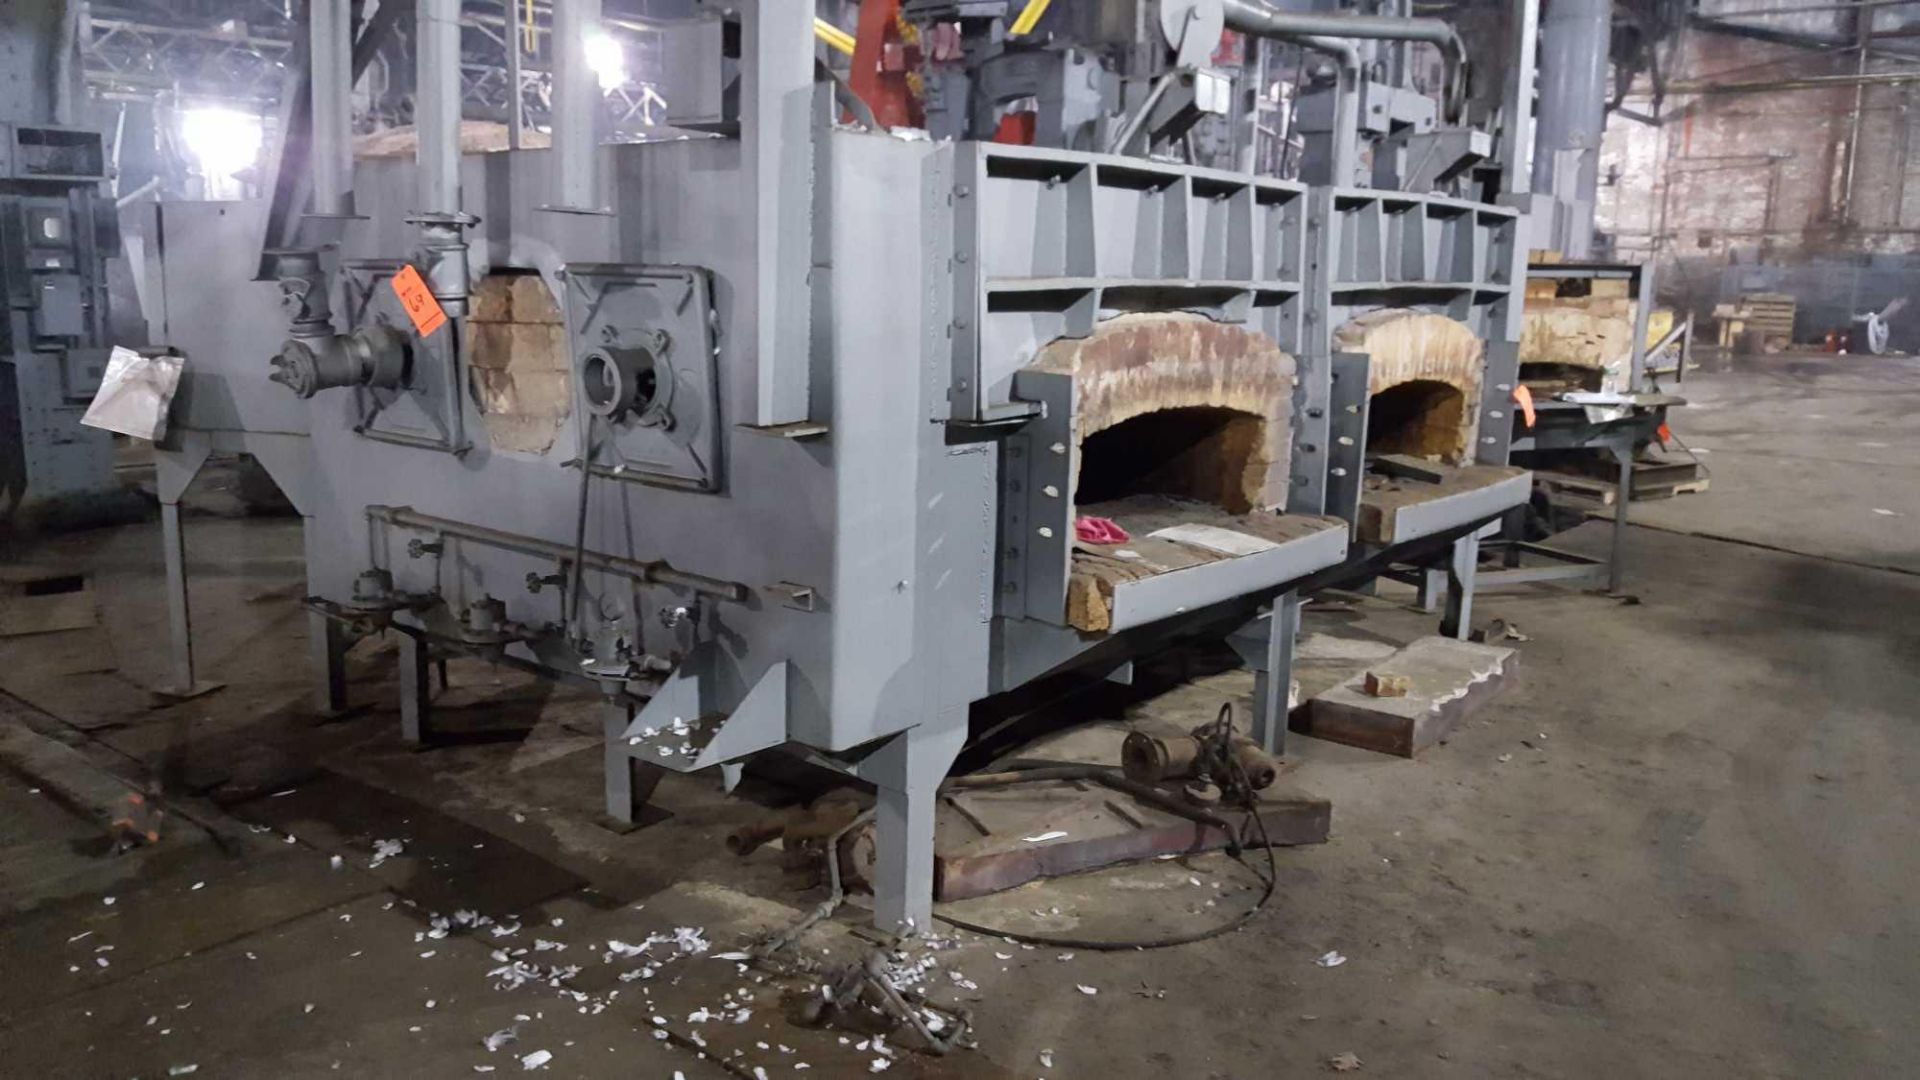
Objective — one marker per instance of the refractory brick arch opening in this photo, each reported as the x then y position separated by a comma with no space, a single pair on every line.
1174,403
1198,452
1424,379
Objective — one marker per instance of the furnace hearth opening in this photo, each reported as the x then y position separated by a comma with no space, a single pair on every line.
1200,452
1424,418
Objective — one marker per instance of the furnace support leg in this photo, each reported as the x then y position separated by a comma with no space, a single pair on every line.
1461,566
174,471
1616,567
179,619
908,771
1433,588
630,781
1265,646
327,642
416,689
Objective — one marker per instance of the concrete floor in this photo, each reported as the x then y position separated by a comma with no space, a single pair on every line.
1810,452
1679,846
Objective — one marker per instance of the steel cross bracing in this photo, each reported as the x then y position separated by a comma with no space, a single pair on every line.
243,57
128,58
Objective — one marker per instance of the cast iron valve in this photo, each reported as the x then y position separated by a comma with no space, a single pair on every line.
376,355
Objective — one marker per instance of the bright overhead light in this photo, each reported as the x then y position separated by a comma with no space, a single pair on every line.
608,61
223,141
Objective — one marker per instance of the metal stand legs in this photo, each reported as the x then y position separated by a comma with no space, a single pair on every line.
1457,622
1265,645
908,771
630,781
1616,566
327,645
1433,588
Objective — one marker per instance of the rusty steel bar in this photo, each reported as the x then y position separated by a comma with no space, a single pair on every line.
651,572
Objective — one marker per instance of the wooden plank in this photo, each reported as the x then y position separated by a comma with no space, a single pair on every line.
23,614
65,772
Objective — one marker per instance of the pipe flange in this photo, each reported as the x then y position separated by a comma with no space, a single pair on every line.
632,383
373,594
485,622
297,367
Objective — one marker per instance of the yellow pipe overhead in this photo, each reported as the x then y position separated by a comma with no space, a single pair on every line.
833,35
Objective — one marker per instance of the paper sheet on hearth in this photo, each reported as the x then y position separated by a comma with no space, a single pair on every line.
1215,538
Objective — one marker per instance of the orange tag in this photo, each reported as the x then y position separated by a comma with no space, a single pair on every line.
1523,396
421,307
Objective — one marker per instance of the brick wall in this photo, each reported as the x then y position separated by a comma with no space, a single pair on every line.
1759,176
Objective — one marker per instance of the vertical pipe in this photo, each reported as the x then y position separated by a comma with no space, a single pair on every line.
576,101
516,111
1903,155
65,50
330,38
436,109
1863,35
1343,154
1574,38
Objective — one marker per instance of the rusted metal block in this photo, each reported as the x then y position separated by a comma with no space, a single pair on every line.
983,868
1447,681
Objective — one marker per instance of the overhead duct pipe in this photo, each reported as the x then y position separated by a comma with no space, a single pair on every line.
66,51
1193,28
330,39
576,107
1259,20
1574,39
436,119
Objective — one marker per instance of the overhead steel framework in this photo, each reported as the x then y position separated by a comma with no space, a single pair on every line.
240,53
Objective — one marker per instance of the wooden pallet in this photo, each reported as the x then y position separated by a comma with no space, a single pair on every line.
1651,480
1758,319
1770,313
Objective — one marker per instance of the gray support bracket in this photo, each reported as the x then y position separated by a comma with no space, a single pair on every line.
682,729
1346,433
1039,464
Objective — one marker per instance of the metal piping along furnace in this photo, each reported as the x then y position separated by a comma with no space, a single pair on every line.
785,436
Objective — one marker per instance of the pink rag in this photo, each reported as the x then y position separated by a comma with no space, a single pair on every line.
1099,530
